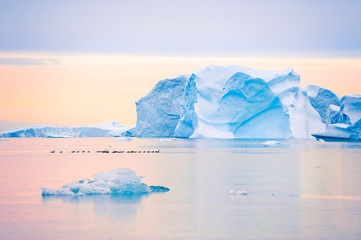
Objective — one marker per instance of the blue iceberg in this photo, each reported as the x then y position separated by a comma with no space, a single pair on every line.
235,102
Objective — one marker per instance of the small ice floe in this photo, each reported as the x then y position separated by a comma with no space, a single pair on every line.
164,139
123,139
270,143
118,181
233,192
3,140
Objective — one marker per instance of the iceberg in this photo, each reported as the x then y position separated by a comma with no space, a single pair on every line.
344,121
120,181
237,102
106,129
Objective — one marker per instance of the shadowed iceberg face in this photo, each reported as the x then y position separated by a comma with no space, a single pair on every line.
323,100
351,106
158,113
188,120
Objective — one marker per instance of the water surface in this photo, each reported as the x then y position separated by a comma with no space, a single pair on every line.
296,190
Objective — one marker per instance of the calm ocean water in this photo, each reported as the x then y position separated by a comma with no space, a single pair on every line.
296,190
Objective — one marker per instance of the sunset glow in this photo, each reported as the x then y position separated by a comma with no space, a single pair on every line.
88,89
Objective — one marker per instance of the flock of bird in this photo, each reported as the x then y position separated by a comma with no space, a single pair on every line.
108,151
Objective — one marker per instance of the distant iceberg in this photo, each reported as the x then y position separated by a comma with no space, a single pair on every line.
121,181
240,102
106,129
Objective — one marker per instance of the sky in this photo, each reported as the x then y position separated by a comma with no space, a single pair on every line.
82,62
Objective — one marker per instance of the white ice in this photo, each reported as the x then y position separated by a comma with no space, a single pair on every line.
269,143
118,181
165,139
123,139
233,192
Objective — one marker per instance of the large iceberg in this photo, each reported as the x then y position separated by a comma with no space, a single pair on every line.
118,181
239,102
106,129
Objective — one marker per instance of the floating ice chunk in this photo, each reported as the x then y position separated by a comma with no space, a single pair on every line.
123,139
233,192
165,139
3,140
118,181
269,143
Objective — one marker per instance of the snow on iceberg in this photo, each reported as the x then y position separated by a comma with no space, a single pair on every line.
106,129
234,102
118,181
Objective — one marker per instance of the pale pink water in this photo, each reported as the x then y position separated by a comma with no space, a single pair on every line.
296,190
